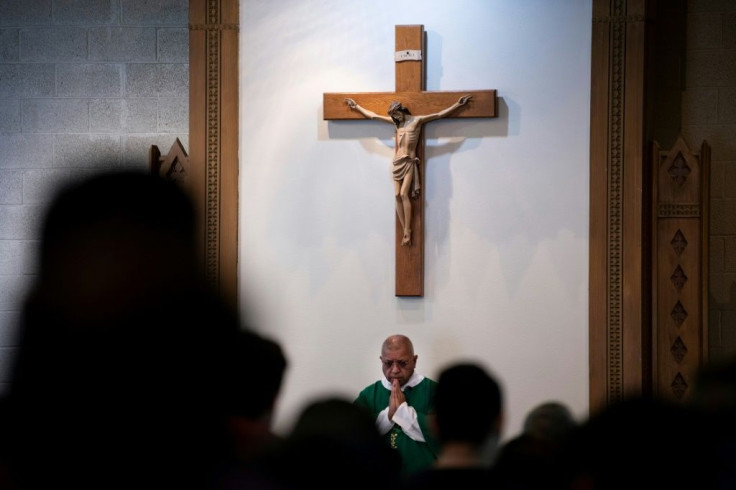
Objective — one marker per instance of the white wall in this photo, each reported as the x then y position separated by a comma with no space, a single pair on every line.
506,199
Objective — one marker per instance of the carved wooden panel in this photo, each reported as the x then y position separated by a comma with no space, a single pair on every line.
173,166
619,299
680,267
213,135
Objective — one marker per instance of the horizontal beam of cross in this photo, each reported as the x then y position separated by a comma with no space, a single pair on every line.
483,103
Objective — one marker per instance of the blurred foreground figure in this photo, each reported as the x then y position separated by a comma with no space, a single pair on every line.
334,444
125,366
532,459
467,422
641,443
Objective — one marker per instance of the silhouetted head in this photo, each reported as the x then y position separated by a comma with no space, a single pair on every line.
125,356
549,421
468,404
335,442
113,243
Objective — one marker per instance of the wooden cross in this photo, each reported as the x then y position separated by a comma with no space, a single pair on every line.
410,91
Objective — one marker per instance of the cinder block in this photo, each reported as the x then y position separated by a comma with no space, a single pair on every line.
55,115
28,80
703,69
136,147
727,105
53,44
123,115
40,186
721,220
98,151
122,44
26,150
173,115
155,12
20,223
13,291
25,12
703,30
90,80
716,254
9,115
729,172
722,290
728,67
173,45
87,12
711,6
700,106
714,329
9,45
717,177
11,258
729,254
729,30
9,328
11,188
728,331
719,137
156,80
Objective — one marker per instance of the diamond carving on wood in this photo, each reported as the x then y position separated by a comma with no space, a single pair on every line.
678,350
679,386
679,170
678,278
678,242
678,314
177,172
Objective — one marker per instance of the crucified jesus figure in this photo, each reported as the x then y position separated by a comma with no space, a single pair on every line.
405,165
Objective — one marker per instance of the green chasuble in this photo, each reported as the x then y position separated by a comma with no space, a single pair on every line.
414,455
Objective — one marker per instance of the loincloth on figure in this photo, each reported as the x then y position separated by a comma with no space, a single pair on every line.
401,166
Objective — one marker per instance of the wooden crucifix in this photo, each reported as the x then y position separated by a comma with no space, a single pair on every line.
410,97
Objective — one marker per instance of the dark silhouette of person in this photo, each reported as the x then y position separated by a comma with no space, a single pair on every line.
334,444
468,417
258,373
640,442
123,377
714,399
531,460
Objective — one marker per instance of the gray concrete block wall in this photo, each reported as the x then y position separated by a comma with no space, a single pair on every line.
85,86
709,113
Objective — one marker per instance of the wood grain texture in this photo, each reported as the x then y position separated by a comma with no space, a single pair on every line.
620,297
681,268
410,77
483,103
213,137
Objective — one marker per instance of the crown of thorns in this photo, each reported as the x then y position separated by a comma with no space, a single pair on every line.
396,106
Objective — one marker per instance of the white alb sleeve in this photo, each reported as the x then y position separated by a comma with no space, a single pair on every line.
406,417
383,424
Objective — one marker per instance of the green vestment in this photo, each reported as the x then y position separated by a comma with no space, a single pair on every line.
414,455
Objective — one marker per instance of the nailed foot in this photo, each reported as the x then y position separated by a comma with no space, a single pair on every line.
406,241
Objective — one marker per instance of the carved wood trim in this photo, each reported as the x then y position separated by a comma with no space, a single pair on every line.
680,266
213,128
173,166
619,303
